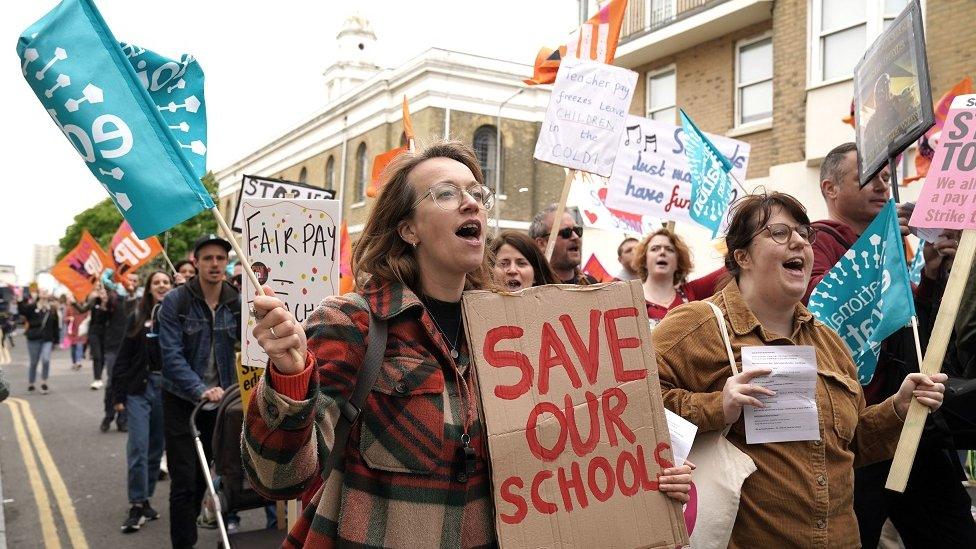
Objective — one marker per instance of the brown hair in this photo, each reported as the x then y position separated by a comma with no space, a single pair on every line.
144,311
542,272
685,264
380,252
749,215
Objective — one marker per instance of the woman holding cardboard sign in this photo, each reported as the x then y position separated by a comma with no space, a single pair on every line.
415,470
802,491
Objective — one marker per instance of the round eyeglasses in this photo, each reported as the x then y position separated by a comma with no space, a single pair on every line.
447,196
781,232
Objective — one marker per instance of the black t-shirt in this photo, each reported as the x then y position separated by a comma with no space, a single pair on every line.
447,317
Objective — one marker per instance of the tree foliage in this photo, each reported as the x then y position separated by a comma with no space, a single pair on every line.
103,219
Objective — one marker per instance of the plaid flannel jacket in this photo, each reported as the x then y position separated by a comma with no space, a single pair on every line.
400,484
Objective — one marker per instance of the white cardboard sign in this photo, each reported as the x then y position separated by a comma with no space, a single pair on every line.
586,116
651,175
293,245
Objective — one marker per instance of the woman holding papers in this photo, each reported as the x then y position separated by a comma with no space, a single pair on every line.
415,468
518,263
663,261
801,494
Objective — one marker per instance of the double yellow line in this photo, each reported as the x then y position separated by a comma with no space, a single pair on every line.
30,440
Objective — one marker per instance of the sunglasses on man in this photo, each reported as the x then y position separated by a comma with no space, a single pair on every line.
568,231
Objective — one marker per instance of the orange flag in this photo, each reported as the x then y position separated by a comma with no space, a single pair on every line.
382,160
595,269
130,252
596,39
926,143
346,281
82,266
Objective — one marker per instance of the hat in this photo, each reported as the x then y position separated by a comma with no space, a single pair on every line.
210,239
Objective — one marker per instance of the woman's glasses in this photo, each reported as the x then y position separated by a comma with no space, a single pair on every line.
781,232
566,232
447,196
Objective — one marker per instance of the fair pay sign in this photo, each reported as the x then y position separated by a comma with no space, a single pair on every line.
576,427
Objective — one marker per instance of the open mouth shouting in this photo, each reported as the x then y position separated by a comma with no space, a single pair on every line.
513,284
794,266
470,231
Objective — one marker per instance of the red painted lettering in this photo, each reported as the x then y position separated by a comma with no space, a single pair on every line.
532,437
589,358
553,353
540,504
616,344
611,416
521,509
626,458
503,359
576,483
581,448
646,483
601,463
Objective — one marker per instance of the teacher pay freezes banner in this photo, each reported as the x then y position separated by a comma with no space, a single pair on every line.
575,421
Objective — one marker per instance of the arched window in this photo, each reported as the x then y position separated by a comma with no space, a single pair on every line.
485,146
362,172
303,175
330,173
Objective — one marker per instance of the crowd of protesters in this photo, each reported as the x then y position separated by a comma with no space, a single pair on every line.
161,349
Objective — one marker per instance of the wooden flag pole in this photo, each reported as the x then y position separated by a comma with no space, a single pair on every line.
168,262
557,219
246,264
911,432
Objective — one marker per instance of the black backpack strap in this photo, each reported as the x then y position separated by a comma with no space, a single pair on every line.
365,379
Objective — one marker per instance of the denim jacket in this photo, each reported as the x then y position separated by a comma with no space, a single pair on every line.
185,338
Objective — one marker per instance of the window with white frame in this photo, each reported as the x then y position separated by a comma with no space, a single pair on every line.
661,95
842,30
754,80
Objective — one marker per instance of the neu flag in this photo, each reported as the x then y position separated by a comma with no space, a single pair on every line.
866,296
137,119
711,184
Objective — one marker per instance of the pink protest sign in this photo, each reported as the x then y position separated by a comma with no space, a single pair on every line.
948,197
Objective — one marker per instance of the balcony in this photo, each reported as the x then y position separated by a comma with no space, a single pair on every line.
656,28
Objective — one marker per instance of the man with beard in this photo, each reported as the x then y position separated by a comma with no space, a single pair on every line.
567,254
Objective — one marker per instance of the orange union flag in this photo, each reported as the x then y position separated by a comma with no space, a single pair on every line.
129,252
82,266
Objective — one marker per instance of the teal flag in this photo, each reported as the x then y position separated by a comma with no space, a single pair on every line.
867,296
137,119
711,183
915,269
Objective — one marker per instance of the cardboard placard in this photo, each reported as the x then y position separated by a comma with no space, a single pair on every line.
575,421
293,246
651,175
586,116
253,186
948,197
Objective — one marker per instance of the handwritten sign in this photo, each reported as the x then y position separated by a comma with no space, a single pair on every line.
948,196
586,115
253,186
293,246
590,195
575,421
651,175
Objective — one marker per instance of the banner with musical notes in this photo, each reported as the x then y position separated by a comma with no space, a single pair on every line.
651,176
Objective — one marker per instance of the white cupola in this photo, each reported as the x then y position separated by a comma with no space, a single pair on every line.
355,57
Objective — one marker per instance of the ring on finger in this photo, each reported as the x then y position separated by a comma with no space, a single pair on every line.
273,334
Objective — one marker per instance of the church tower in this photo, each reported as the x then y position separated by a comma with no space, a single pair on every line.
355,59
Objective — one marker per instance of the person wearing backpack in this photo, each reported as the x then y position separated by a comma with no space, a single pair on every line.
396,350
199,324
40,311
136,389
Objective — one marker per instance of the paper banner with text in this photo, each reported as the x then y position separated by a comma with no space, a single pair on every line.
586,116
81,268
652,176
293,245
247,380
136,118
253,186
867,295
129,252
575,421
948,197
589,195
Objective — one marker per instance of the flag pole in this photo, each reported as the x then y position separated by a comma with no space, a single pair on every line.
918,344
893,169
168,262
557,218
246,263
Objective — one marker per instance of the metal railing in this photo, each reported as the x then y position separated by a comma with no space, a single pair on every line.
643,16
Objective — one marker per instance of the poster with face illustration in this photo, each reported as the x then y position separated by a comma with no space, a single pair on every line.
293,246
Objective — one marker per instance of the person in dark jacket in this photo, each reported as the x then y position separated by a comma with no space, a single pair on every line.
43,331
136,388
934,495
199,325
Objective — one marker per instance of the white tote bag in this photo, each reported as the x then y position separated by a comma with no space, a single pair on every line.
721,470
